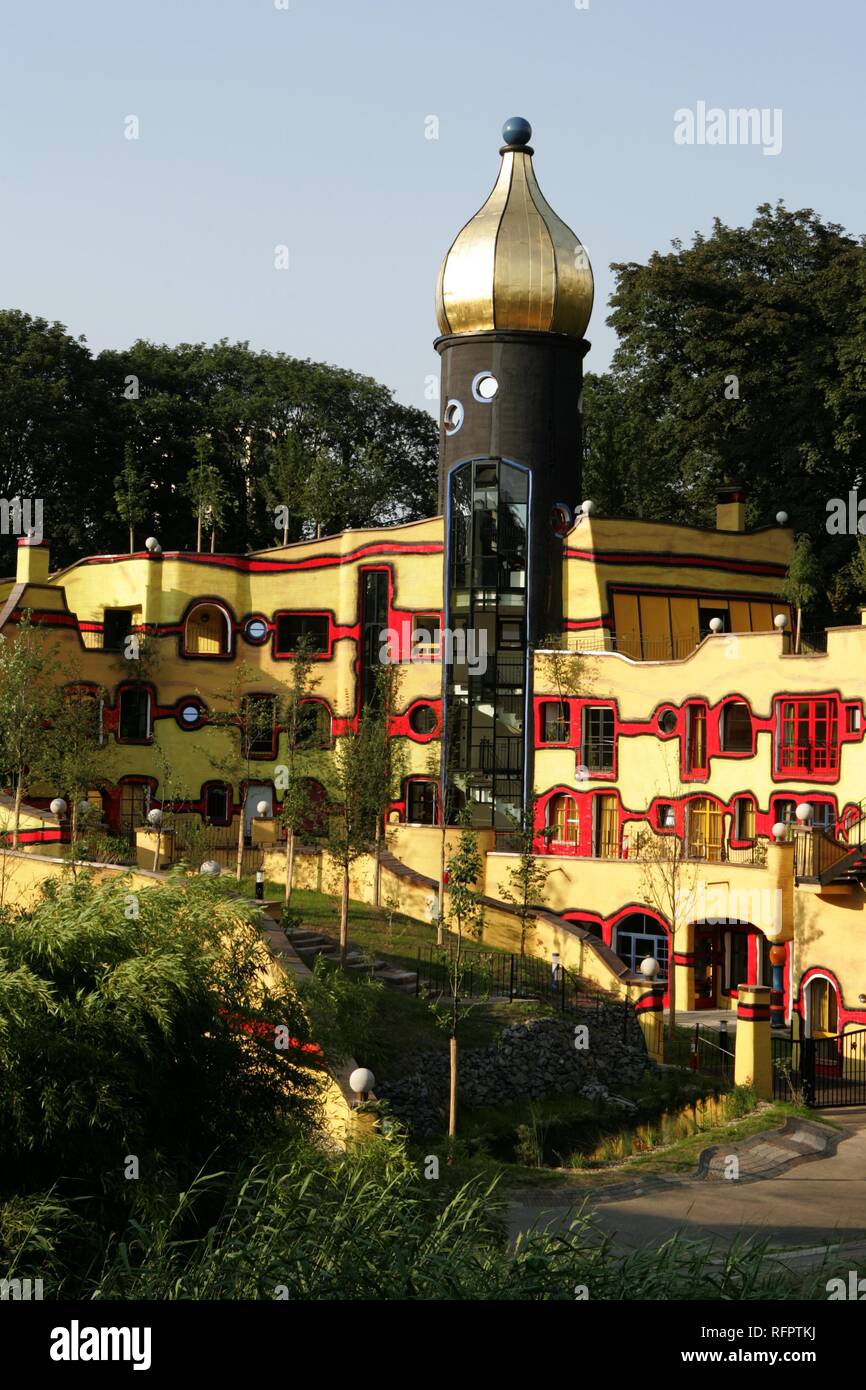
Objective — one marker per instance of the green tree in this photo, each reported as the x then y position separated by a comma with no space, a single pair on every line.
352,813
466,918
131,493
386,760
296,809
803,582
206,491
525,880
73,757
28,666
138,1023
243,719
737,358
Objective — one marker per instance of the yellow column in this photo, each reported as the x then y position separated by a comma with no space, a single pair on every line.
648,1007
684,967
753,1063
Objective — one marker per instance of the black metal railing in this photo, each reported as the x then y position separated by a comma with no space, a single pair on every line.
495,975
822,1072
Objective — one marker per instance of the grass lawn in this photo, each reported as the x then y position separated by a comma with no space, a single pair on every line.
679,1156
388,935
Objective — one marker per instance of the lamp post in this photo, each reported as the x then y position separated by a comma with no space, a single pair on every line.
154,819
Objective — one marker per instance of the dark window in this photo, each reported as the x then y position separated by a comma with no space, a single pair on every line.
422,719
259,723
421,803
736,728
116,627
426,634
667,721
216,806
744,818
738,960
555,725
706,616
598,738
134,720
314,725
293,627
374,608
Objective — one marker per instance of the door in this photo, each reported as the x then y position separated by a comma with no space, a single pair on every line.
134,806
706,954
256,792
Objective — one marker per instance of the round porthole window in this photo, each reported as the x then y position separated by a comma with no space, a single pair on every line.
484,386
452,417
256,630
667,721
422,719
190,714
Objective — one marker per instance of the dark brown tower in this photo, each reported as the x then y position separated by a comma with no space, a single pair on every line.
513,301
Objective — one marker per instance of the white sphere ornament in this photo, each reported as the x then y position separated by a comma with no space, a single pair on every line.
151,544
588,507
780,622
804,812
649,967
58,806
780,832
716,625
210,868
782,518
154,817
362,1080
263,808
84,807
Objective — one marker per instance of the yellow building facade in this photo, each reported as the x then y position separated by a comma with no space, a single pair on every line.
696,785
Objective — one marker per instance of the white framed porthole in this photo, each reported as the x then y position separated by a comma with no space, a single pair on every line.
256,630
452,417
484,387
190,715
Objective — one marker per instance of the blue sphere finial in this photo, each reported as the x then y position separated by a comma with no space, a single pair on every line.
517,131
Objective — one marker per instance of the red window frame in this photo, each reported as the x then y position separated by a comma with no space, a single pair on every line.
807,743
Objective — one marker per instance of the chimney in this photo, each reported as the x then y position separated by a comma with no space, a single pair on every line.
33,561
731,508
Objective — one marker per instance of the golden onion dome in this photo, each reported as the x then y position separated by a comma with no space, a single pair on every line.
515,265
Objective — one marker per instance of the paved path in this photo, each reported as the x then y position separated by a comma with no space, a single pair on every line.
812,1204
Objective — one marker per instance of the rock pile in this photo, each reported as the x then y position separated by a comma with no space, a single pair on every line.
532,1059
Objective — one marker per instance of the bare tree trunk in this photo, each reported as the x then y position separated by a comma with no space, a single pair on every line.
344,916
19,796
286,534
797,637
131,541
290,864
377,873
74,831
452,1098
198,532
156,851
239,867
440,921
672,989
212,541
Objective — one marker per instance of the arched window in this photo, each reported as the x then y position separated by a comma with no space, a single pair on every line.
563,817
822,1008
736,727
638,936
207,631
217,804
314,725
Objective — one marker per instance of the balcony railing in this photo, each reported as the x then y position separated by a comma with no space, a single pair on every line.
808,757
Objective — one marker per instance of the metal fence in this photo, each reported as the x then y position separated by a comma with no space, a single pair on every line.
823,1072
496,975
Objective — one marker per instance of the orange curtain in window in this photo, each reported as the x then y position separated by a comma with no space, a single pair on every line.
565,819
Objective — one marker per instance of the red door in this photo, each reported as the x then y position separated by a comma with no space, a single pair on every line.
706,955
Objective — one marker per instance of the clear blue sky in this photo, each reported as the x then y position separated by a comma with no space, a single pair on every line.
305,126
